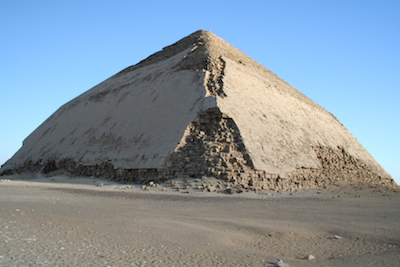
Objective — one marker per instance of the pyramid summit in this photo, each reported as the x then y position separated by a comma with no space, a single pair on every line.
199,107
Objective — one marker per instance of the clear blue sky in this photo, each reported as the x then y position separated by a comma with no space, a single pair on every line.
344,55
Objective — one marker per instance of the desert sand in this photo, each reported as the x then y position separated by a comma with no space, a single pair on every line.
65,221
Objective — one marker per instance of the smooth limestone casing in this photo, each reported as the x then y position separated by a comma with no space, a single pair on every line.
133,120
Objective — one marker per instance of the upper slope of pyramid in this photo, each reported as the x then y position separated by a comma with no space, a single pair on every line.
205,49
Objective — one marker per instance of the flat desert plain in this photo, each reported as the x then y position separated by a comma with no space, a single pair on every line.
63,221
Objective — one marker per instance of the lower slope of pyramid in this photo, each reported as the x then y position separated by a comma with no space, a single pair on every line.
129,121
199,108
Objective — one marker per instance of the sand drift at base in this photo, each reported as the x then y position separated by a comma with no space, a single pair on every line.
68,224
199,108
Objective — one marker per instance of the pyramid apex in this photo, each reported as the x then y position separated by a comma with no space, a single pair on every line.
206,40
203,33
205,47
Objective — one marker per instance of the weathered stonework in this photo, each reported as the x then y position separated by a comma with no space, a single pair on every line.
71,167
215,84
338,167
211,146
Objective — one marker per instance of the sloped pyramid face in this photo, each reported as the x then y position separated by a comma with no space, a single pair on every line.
199,107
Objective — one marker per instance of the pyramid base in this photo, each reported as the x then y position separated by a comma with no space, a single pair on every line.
212,147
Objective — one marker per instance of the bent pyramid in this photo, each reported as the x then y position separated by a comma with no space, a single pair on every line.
199,107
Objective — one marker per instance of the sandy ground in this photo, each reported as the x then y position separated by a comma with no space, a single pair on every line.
64,221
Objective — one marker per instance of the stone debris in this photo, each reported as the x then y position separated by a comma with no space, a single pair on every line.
310,257
234,191
337,237
146,188
280,263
